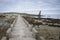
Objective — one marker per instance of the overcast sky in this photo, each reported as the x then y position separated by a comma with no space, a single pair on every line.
30,6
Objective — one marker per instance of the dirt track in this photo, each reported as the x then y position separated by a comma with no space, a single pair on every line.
21,31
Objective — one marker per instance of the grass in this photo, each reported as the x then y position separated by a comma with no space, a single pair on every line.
9,21
49,33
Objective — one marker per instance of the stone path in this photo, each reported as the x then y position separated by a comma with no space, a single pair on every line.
21,31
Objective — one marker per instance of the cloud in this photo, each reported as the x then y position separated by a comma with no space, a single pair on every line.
29,6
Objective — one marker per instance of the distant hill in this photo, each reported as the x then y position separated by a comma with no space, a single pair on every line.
19,13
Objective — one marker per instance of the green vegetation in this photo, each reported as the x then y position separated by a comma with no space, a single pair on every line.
10,20
49,33
6,24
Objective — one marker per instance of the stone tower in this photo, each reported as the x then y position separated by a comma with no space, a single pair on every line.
39,16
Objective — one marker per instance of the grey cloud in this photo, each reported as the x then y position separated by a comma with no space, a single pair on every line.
29,5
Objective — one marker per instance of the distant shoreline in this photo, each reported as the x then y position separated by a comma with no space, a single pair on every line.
54,16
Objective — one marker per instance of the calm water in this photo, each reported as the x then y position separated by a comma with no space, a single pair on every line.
52,16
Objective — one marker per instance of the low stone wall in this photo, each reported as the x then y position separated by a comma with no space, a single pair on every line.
8,32
33,30
37,35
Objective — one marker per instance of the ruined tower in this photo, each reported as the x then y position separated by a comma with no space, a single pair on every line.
39,16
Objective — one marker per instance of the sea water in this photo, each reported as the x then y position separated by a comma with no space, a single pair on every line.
55,16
